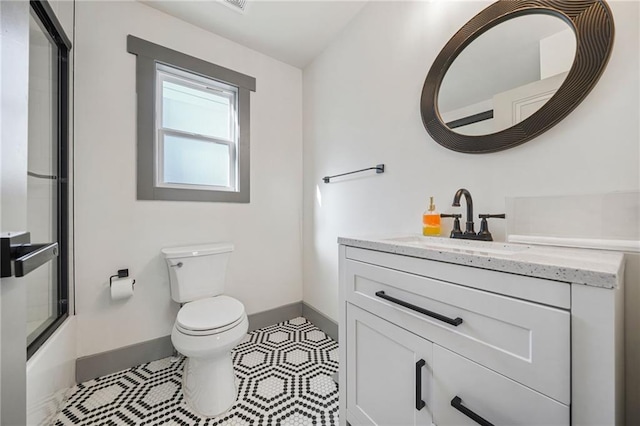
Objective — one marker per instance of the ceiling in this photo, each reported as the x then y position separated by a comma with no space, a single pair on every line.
294,32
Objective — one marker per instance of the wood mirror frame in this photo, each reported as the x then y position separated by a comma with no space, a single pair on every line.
592,23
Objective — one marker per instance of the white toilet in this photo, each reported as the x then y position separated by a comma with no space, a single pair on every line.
208,325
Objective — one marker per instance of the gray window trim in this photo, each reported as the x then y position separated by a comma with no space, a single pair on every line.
147,55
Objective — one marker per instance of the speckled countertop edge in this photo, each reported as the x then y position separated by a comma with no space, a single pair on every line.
579,266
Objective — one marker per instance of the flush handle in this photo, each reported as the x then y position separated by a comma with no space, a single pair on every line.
177,265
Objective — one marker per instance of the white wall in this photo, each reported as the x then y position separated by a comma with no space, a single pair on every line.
361,107
114,230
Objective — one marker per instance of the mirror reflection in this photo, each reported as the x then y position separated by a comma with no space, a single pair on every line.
506,74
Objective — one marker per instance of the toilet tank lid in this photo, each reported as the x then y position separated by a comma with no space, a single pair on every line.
196,250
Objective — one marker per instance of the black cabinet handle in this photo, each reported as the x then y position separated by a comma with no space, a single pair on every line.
457,404
419,402
453,321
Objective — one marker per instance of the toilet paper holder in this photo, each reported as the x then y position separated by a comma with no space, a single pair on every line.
122,273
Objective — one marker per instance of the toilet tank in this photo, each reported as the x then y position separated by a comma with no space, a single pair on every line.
197,271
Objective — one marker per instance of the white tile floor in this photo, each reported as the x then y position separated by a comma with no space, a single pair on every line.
284,375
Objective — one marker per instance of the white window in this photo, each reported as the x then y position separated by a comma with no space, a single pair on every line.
196,131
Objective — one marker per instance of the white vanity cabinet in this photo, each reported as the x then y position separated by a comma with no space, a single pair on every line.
424,341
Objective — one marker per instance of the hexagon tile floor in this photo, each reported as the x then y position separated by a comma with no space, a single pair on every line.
284,378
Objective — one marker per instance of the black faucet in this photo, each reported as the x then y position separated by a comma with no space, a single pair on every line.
456,203
470,233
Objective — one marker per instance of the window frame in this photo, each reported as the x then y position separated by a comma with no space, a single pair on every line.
148,57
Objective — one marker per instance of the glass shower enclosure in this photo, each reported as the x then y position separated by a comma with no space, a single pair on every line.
47,172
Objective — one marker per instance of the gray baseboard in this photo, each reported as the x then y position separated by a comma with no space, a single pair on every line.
102,364
321,321
274,316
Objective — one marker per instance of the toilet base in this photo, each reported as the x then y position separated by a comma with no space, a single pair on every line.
209,385
208,379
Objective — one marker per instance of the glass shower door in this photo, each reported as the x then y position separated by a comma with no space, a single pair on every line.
46,180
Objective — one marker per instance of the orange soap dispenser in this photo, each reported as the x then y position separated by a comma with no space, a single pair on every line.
431,220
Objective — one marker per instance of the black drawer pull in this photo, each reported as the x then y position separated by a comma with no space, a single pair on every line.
457,404
453,321
419,402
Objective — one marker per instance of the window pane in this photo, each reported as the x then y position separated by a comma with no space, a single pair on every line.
196,111
195,162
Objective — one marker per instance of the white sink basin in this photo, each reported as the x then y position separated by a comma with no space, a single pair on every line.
456,245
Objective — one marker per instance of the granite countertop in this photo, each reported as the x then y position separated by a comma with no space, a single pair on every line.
580,266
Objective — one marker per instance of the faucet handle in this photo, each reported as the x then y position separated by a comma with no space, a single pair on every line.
484,226
495,216
456,223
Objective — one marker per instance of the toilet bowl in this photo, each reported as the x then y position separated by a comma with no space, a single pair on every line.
208,326
208,381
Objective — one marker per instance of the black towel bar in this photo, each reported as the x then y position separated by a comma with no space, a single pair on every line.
378,168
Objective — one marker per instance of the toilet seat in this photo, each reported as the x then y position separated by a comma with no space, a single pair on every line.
209,316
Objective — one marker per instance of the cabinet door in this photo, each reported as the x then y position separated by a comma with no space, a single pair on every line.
389,373
466,393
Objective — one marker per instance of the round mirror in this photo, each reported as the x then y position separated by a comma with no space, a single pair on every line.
514,71
506,74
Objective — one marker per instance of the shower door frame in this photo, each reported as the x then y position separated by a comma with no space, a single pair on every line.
43,12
